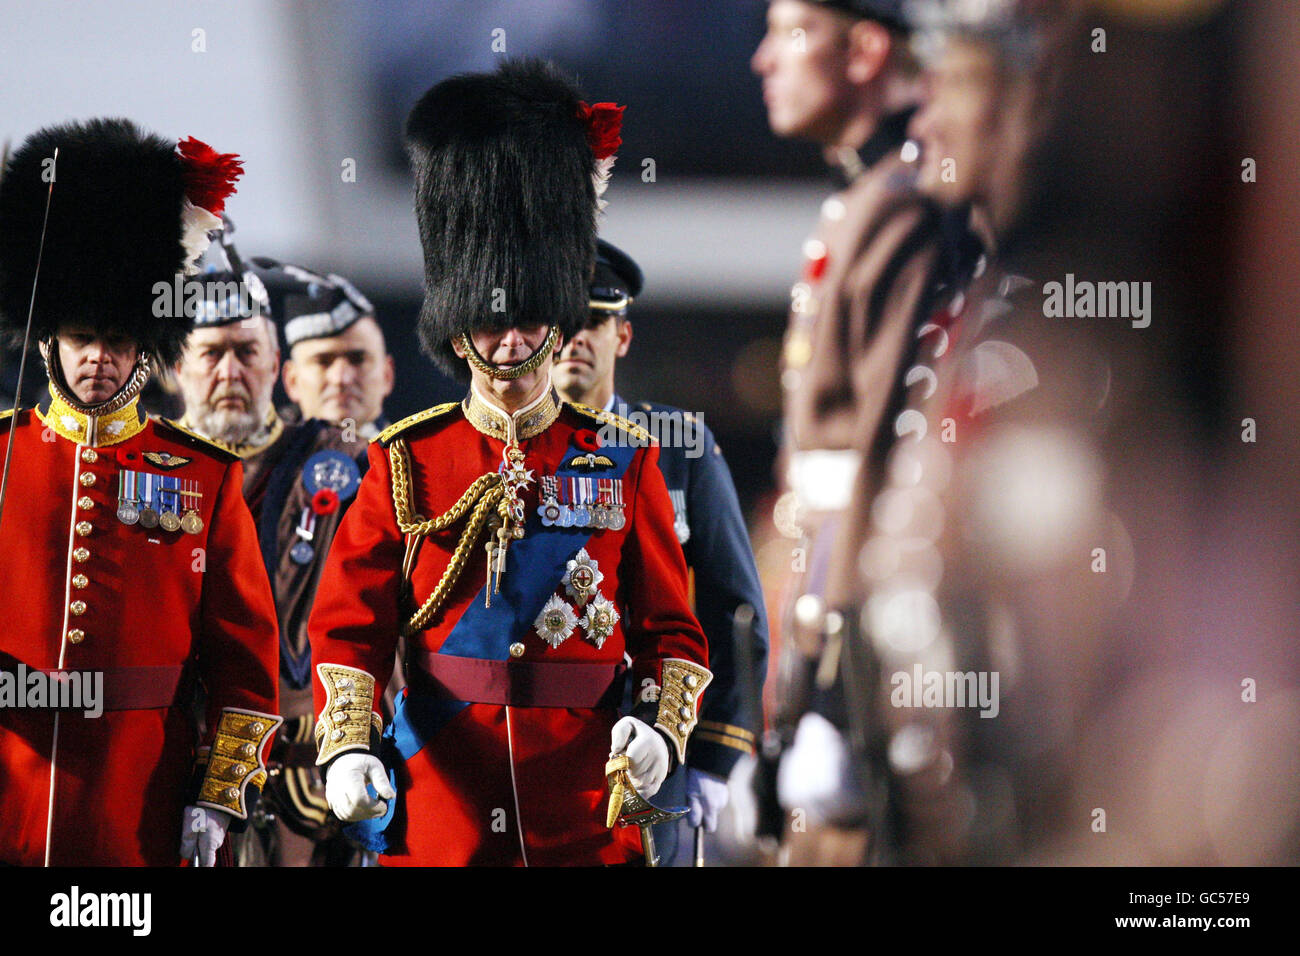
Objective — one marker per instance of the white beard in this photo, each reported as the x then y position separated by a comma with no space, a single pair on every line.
232,427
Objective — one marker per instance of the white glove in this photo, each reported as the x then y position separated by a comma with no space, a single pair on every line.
204,831
707,795
816,775
345,787
647,753
744,802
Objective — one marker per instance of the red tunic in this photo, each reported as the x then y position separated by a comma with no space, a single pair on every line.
499,784
87,592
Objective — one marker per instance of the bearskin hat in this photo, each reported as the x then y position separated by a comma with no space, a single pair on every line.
505,201
119,224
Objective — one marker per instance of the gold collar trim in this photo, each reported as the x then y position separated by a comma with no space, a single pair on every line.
262,439
92,428
530,421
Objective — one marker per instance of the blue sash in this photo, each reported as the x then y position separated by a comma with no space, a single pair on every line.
535,565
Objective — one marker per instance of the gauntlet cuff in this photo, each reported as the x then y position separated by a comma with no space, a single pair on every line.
237,760
346,720
679,700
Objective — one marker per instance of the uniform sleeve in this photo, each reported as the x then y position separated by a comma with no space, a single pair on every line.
238,657
891,292
719,553
652,574
356,616
239,649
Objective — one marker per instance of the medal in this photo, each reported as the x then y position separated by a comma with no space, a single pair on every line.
191,523
581,576
616,517
302,552
680,527
127,512
148,516
170,503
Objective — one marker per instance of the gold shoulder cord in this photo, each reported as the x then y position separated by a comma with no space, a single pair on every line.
482,495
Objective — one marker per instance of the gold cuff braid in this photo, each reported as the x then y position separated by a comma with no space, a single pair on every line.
349,714
237,760
679,700
483,496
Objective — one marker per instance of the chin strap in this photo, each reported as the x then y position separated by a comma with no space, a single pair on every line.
531,364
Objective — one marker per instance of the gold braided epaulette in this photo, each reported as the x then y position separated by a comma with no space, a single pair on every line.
221,452
392,431
618,421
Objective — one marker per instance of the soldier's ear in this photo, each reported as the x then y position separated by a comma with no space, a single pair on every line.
390,374
290,375
870,44
624,337
457,347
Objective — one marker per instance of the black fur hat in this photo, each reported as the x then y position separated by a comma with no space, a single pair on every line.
505,203
114,231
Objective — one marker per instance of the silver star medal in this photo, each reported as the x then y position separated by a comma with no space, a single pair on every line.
581,577
556,621
598,620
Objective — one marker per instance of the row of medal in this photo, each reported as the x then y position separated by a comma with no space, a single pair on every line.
582,502
154,501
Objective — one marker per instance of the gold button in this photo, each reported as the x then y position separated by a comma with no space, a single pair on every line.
76,635
248,750
85,502
81,555
685,712
89,456
337,735
682,728
257,727
238,770
84,528
80,580
77,607
516,650
691,680
87,478
232,793
340,716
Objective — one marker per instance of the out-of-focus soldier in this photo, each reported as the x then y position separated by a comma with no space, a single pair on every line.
299,479
339,369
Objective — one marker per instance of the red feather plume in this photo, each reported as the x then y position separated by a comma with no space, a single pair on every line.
209,176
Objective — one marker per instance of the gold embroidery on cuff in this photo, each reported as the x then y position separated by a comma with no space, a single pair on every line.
682,682
349,713
237,760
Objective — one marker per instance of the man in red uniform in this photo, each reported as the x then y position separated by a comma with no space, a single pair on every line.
522,545
126,542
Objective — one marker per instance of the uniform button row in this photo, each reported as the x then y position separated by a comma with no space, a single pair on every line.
89,456
77,607
84,528
76,635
